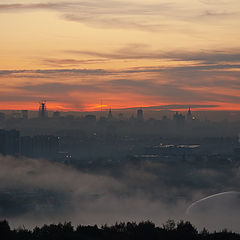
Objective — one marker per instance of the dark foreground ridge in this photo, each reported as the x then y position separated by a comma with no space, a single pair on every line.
120,231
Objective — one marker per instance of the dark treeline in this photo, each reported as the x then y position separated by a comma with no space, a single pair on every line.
120,231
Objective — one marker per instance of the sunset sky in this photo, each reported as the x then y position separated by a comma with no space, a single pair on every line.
129,53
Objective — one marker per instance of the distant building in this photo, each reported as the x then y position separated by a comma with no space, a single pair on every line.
24,114
56,114
140,115
64,157
179,119
2,116
70,117
90,118
110,116
42,110
102,119
26,146
41,146
132,118
9,142
189,115
16,114
165,118
120,116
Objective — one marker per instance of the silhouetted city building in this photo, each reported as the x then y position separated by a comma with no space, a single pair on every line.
165,118
120,116
25,114
90,118
43,110
102,119
179,119
70,117
110,116
26,146
56,114
2,116
9,142
42,146
189,114
140,115
16,114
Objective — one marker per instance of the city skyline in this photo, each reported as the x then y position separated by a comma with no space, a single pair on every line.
120,119
128,53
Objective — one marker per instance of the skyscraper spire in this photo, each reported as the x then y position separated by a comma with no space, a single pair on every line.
110,116
189,114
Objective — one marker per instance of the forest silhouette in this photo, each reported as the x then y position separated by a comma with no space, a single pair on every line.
171,230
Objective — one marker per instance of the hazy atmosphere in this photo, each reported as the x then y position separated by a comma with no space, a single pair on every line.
134,192
120,112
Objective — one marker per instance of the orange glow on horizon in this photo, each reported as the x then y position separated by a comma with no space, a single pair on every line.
75,53
97,108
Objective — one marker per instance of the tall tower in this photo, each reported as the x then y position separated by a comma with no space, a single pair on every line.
110,116
189,114
140,115
42,110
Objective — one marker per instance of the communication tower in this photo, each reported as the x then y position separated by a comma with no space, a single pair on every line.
42,109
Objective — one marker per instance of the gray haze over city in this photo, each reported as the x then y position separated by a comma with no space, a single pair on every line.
112,166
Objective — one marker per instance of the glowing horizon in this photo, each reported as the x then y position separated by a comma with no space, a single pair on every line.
129,53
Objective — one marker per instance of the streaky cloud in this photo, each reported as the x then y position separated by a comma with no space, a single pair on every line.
152,17
171,107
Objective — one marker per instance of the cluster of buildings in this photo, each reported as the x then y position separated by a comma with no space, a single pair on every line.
40,146
9,142
43,114
114,137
